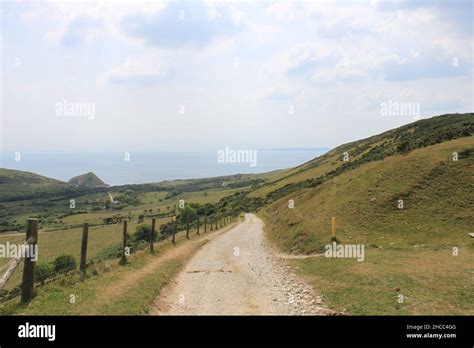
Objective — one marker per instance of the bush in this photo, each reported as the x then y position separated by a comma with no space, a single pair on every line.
166,229
64,263
142,232
44,271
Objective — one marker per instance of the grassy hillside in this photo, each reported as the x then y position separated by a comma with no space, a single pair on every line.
408,251
397,141
14,183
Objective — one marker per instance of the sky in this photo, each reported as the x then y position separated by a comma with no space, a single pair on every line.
124,76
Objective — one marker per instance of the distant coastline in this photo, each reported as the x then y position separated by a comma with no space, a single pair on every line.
148,167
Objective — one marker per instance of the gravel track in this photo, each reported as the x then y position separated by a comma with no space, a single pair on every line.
236,273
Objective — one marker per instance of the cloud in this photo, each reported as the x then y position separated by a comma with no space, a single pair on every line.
80,22
77,31
180,24
145,71
455,13
426,66
354,43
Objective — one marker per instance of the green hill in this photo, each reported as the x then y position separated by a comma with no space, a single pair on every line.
397,141
408,248
16,183
88,180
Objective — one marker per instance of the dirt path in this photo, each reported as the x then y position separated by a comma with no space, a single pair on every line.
113,291
236,273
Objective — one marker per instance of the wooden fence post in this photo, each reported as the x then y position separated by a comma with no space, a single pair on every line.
205,224
152,234
173,238
28,283
333,223
198,227
123,259
85,235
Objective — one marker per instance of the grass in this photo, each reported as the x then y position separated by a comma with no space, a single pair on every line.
111,289
408,249
53,244
431,282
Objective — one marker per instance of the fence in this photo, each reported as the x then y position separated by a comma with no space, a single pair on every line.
38,276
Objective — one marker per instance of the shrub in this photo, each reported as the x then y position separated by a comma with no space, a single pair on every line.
43,271
64,263
142,232
166,229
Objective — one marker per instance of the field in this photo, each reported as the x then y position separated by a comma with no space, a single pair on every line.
111,289
62,235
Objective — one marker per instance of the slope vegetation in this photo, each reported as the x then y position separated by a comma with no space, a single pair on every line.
407,196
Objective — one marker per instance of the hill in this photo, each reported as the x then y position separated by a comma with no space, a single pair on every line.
88,180
15,183
406,195
397,141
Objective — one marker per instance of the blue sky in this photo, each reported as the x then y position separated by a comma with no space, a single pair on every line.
234,69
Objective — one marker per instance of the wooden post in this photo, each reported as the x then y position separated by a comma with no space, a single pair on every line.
173,238
333,222
85,235
198,227
187,230
152,234
205,224
123,259
28,283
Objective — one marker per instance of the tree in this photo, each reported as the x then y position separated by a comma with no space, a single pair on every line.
187,216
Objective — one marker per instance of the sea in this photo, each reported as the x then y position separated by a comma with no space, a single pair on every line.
149,167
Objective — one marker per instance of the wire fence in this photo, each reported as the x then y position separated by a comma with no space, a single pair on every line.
105,244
